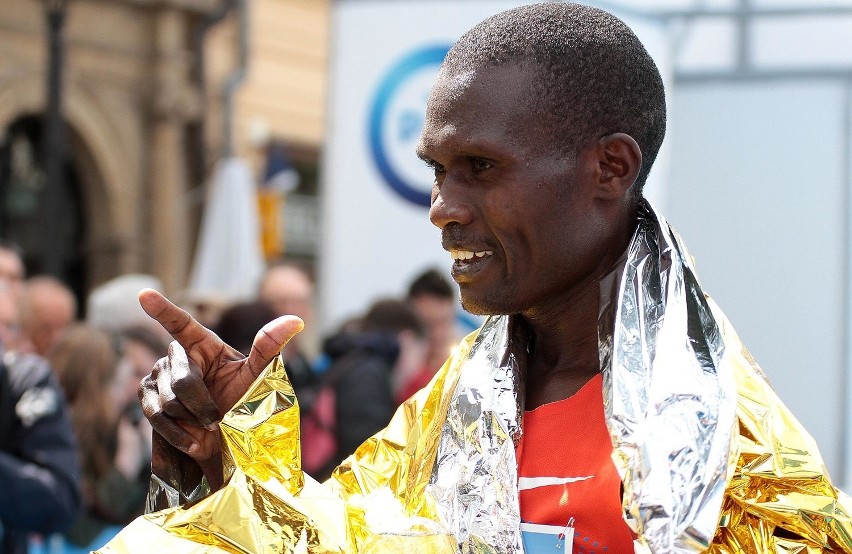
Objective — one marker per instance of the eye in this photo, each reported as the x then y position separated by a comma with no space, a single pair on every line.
479,164
437,168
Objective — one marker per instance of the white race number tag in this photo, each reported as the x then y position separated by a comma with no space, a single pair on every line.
547,539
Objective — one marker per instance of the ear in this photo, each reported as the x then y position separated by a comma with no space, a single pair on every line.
619,161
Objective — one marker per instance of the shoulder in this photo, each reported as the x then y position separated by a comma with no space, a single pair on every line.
33,387
26,371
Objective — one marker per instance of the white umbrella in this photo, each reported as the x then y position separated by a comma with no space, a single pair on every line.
228,260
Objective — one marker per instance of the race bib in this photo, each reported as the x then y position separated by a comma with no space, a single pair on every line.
547,539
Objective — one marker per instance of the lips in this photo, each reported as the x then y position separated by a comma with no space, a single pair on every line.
467,264
470,254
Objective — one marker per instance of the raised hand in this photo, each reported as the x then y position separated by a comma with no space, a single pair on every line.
187,392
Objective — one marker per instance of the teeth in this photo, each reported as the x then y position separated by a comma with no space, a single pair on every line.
468,254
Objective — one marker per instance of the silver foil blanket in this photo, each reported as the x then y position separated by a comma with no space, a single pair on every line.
669,393
475,478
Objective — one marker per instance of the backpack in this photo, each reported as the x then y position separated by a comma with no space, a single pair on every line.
319,431
318,416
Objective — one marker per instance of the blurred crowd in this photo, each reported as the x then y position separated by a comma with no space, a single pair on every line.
74,444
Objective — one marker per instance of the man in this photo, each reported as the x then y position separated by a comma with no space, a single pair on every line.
11,268
48,307
433,300
288,289
38,458
606,405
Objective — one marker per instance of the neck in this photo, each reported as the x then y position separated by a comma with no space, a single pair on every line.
563,351
563,333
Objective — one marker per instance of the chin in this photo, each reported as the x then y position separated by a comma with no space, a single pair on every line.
485,306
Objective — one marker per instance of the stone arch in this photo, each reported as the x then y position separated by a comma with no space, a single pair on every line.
107,149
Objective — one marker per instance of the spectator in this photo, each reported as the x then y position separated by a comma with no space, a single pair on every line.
48,307
433,299
10,325
141,347
11,284
112,456
38,459
238,324
362,364
112,306
11,268
288,290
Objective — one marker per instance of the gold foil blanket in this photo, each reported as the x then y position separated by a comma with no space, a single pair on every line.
711,460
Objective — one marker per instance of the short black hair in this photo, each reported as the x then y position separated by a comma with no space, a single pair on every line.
239,324
392,316
594,76
431,283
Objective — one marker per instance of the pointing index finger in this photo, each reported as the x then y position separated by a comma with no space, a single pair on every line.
177,321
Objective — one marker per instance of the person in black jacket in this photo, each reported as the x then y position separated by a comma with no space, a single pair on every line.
38,459
362,364
39,470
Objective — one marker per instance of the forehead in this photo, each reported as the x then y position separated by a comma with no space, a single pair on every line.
285,281
478,105
10,261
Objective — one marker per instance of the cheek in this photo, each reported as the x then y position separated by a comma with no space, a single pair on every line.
504,204
506,218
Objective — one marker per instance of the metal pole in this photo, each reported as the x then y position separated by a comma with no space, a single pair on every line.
847,181
54,141
237,76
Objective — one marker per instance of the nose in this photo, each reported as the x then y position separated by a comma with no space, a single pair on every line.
449,204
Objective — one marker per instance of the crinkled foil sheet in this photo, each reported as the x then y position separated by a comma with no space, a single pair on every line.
475,480
780,498
669,394
709,457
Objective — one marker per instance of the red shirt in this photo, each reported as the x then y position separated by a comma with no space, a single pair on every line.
566,470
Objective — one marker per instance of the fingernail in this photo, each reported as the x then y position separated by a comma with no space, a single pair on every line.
193,448
212,426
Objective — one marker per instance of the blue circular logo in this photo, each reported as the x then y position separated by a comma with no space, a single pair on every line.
396,118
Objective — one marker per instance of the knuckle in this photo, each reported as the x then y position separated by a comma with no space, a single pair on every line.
159,421
183,384
147,387
173,408
176,352
160,366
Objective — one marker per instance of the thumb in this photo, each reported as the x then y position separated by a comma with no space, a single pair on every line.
271,339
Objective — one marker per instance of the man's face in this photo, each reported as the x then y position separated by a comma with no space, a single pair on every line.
9,323
51,316
438,315
288,292
11,271
518,215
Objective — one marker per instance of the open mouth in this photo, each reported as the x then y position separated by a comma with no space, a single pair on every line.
468,263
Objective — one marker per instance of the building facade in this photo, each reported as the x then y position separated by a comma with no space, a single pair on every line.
150,91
